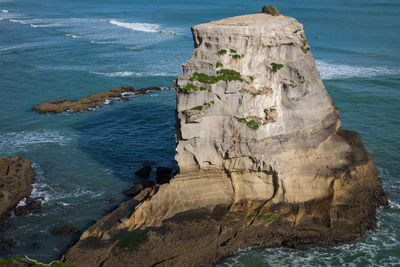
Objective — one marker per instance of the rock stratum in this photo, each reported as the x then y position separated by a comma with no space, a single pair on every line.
262,159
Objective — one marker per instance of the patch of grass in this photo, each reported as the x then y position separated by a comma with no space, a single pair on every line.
202,88
223,75
251,78
221,52
276,66
189,87
219,65
271,10
263,217
254,94
132,240
229,75
236,56
203,78
233,51
253,124
197,108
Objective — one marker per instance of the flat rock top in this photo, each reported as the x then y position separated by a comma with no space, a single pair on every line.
259,20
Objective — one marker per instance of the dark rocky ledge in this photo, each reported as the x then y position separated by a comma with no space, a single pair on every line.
92,101
16,178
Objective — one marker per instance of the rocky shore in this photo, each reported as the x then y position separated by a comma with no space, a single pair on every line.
92,101
16,178
262,159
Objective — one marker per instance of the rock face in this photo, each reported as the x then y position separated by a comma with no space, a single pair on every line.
92,101
262,159
16,178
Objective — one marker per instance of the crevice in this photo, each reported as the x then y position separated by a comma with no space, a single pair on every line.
275,183
216,245
159,262
8,170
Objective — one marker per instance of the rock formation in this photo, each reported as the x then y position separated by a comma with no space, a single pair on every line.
262,159
16,178
92,101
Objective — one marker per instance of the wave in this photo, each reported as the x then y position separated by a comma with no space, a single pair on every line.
136,26
330,71
19,141
72,35
4,11
132,74
142,27
18,21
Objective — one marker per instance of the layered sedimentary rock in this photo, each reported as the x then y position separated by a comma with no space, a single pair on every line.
262,159
16,178
92,101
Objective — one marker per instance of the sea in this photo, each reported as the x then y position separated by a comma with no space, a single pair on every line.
67,49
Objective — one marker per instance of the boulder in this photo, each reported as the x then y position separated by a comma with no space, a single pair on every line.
16,178
64,230
144,172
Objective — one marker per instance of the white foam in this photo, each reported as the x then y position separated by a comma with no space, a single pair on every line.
19,141
136,26
72,35
108,101
134,74
4,11
18,21
330,71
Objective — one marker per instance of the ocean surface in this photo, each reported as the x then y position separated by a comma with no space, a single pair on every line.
70,49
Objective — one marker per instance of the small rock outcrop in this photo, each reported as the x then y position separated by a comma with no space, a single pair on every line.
262,159
92,101
16,178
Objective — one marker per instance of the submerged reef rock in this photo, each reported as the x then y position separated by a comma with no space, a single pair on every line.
16,178
92,101
262,159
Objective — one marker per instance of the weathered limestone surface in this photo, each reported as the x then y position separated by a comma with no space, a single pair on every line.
262,159
16,178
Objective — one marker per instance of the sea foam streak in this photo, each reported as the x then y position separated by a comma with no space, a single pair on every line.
143,27
330,71
130,73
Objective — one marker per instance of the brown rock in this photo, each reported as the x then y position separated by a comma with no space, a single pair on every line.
64,230
144,172
92,101
134,190
16,178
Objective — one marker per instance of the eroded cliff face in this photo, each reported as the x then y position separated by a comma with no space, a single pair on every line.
262,158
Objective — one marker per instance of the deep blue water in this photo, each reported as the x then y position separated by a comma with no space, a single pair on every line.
70,49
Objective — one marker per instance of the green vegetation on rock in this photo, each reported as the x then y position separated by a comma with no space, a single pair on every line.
263,217
223,75
197,108
276,66
232,51
252,123
236,56
222,52
132,240
190,87
219,65
251,78
271,10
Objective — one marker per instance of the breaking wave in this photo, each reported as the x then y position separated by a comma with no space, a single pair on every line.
330,71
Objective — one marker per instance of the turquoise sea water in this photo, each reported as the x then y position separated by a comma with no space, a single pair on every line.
70,49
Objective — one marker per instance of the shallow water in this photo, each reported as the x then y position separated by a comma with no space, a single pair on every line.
70,49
